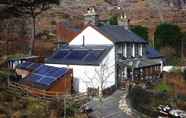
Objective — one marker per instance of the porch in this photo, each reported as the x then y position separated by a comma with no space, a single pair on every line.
138,69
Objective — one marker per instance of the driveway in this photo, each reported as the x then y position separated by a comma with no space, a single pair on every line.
109,108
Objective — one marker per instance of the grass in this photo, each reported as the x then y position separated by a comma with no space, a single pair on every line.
5,73
163,87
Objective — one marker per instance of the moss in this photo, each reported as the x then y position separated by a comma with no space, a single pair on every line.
16,56
163,87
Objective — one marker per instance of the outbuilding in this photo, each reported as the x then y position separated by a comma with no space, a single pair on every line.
40,79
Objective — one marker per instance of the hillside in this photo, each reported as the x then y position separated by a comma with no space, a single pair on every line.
140,12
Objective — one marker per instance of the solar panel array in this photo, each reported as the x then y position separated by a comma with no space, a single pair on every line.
84,55
94,55
46,75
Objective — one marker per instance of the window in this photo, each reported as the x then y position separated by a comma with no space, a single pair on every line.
143,49
129,50
119,49
124,50
137,50
140,49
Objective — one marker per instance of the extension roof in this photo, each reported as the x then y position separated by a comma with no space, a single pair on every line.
152,53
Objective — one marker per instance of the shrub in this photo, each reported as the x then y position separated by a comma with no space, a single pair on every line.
141,31
163,87
167,34
113,20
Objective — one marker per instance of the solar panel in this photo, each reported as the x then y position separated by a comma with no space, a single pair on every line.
34,77
61,54
77,54
45,75
43,69
93,55
47,81
57,73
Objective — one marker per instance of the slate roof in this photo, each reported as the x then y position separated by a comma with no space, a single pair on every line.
119,34
152,53
78,55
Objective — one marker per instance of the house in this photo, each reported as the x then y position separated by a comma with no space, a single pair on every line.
129,58
40,79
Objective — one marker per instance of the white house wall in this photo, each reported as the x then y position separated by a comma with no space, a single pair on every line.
87,76
91,37
109,61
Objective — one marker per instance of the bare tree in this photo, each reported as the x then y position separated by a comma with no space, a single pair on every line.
28,8
100,79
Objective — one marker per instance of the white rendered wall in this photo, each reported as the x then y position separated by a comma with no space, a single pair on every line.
86,76
91,37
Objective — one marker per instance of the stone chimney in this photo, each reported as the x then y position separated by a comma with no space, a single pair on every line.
91,17
123,21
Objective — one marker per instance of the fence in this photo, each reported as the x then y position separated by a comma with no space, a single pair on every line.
43,94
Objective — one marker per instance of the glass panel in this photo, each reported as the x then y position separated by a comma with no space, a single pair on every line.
60,54
77,54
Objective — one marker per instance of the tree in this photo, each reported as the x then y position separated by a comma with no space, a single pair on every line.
101,77
113,20
183,40
167,35
28,8
141,31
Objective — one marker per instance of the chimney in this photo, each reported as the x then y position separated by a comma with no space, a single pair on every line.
123,21
90,17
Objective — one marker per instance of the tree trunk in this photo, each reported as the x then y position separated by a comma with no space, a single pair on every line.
33,36
100,89
182,50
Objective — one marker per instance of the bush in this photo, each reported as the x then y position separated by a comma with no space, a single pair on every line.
167,35
163,87
113,20
146,101
141,31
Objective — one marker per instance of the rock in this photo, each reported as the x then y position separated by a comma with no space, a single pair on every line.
16,114
123,105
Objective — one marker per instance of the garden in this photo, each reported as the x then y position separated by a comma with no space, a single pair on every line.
169,90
